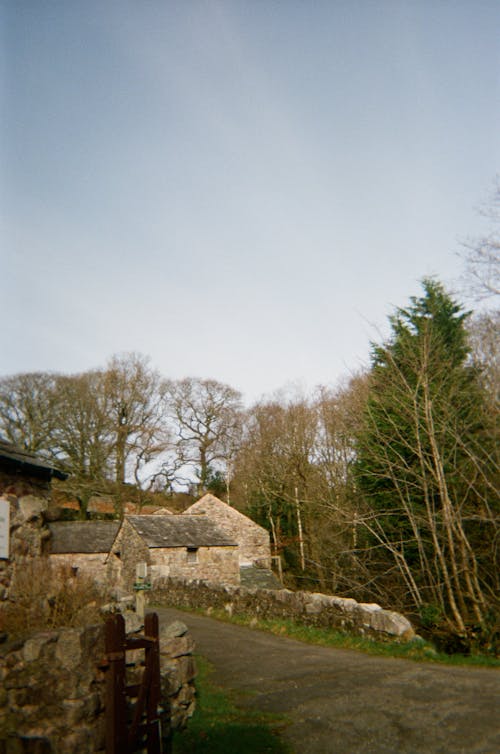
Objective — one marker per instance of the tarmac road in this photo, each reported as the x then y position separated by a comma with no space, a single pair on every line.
344,702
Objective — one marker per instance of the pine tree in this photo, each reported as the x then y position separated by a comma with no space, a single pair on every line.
424,460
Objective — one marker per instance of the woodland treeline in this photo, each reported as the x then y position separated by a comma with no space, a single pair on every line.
383,488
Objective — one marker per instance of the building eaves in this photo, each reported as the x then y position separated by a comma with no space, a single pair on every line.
18,460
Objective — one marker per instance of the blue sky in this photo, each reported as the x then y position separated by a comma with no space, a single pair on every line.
240,190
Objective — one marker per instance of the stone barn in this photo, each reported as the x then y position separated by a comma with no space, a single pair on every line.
176,546
83,546
253,540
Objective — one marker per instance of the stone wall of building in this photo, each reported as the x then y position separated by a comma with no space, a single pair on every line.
309,608
52,689
128,550
21,485
91,564
253,540
214,564
28,500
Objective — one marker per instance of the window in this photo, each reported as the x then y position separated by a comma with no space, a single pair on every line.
192,554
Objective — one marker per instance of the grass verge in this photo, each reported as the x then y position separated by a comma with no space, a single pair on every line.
219,726
417,649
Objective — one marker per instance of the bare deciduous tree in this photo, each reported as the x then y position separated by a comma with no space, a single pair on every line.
135,409
25,410
81,436
484,336
482,255
206,421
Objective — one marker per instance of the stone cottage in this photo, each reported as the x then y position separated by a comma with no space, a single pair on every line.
176,546
82,545
25,492
253,540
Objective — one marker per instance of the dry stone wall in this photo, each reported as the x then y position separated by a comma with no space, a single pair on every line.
52,689
53,692
178,673
309,608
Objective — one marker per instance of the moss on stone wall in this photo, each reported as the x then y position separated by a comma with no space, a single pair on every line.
309,608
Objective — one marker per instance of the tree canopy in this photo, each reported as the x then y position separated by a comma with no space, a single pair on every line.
424,458
383,488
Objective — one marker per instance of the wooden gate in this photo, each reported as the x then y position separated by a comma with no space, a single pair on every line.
132,715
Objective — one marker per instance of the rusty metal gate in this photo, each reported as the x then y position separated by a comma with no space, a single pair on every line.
132,710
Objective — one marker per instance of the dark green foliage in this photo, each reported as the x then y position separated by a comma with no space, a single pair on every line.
216,483
425,458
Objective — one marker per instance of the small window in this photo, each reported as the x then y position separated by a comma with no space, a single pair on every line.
192,554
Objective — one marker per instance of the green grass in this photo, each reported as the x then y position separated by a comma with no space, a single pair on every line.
219,726
417,650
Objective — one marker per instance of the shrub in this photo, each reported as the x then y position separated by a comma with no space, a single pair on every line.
44,597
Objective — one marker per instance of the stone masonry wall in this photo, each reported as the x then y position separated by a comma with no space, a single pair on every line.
52,689
219,564
215,564
131,549
92,564
20,485
312,609
29,501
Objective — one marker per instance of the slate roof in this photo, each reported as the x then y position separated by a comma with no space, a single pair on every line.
179,530
253,577
18,460
82,536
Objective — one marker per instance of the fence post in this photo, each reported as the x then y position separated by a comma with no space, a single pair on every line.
151,630
116,739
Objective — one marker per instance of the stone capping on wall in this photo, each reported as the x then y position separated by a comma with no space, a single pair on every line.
52,688
310,608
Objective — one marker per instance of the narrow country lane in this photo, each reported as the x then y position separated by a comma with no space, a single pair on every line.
345,702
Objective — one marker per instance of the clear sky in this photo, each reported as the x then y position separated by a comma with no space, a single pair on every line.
240,190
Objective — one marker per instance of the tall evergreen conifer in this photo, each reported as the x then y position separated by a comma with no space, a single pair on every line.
423,461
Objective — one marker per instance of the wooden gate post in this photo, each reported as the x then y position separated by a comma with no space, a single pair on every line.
151,630
116,731
130,726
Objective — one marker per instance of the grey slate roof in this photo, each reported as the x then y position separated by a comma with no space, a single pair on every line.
258,578
18,460
178,530
82,536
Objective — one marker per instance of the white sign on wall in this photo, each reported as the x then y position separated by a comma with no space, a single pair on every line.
4,528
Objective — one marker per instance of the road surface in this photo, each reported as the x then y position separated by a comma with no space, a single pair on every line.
344,702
